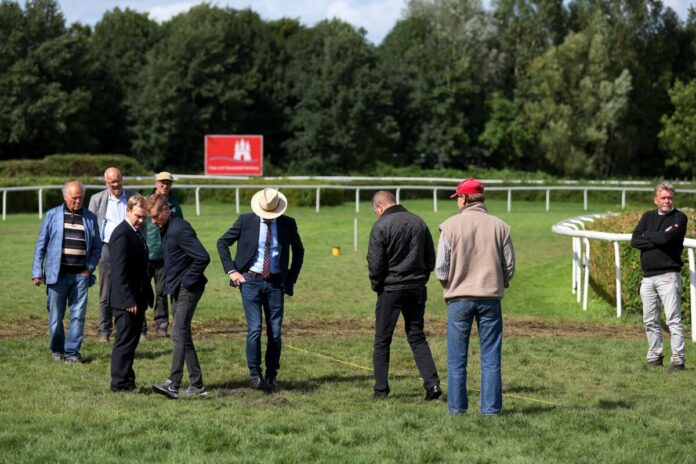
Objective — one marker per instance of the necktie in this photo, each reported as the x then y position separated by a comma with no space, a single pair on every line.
267,252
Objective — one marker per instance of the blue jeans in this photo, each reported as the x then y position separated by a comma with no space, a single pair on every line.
259,295
460,317
70,290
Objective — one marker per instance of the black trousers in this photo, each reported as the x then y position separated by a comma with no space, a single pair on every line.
183,349
410,303
128,326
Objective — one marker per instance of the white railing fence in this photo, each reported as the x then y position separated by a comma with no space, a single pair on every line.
580,261
358,191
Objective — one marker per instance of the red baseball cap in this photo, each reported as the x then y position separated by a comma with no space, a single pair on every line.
468,187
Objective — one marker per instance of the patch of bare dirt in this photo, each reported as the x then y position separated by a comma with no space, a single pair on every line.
347,328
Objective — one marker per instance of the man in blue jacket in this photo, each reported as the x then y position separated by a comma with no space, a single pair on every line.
66,253
185,259
260,270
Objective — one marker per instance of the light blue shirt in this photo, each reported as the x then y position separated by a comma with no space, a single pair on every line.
260,248
115,214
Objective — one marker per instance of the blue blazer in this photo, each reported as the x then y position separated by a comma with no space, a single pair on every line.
185,259
245,232
49,245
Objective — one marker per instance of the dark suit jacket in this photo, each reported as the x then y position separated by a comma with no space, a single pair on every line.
245,231
130,283
185,259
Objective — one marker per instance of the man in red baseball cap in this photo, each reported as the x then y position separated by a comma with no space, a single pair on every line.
475,263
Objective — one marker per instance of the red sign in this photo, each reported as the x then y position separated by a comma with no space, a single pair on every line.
234,155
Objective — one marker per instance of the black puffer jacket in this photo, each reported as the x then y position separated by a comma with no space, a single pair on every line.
401,253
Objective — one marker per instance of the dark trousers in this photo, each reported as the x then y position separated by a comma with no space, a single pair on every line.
128,327
183,307
410,303
156,271
105,314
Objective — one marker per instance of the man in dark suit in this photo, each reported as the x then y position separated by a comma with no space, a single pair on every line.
185,259
260,270
130,293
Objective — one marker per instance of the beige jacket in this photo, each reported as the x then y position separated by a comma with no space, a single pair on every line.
475,256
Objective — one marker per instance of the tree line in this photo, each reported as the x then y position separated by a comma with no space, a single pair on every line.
582,88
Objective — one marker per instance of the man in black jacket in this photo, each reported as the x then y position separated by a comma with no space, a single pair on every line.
185,259
130,293
264,274
660,238
400,258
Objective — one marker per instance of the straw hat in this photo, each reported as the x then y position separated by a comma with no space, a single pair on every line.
269,203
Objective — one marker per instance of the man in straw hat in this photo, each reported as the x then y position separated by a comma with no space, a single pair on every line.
260,270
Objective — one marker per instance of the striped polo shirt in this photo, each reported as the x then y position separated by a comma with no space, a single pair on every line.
72,259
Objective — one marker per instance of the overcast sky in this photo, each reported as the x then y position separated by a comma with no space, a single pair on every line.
377,17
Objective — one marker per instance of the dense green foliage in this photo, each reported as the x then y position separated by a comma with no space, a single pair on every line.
584,88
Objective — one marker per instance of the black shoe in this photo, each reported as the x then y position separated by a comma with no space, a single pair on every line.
380,395
676,367
271,382
433,392
654,363
167,388
256,382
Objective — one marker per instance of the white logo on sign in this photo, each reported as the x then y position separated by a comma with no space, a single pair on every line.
242,150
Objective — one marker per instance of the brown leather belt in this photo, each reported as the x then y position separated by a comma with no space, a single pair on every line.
275,278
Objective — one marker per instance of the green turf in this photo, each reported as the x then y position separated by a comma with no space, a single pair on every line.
567,398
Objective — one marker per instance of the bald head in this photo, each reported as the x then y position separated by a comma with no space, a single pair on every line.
73,194
382,201
112,179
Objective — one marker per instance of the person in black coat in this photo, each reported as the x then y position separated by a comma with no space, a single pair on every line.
130,293
400,258
185,259
263,272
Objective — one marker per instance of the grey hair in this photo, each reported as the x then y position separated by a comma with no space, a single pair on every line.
65,186
664,185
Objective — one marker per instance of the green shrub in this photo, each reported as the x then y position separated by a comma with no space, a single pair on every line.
70,166
602,269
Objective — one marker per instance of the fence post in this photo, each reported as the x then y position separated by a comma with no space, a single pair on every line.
4,204
236,199
623,199
587,273
357,199
578,271
548,199
584,199
355,235
692,290
509,200
434,200
40,203
617,263
318,198
198,201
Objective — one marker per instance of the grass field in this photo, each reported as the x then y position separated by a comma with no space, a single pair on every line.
575,385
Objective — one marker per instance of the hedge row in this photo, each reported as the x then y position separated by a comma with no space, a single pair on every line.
602,272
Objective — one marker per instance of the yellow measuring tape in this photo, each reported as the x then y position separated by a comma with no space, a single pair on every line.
357,366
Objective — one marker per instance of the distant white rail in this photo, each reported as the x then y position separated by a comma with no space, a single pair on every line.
575,228
436,189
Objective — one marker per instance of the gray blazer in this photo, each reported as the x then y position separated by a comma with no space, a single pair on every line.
99,201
